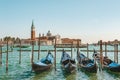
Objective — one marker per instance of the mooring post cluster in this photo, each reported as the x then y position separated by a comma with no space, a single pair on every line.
78,46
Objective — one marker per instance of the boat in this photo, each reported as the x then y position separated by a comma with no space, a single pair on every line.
67,63
111,65
44,64
21,46
86,64
108,64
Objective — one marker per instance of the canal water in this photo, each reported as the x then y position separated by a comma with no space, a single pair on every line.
23,71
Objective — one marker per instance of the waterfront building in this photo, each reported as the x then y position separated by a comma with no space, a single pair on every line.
70,41
47,39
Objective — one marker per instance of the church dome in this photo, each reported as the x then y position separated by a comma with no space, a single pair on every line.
49,33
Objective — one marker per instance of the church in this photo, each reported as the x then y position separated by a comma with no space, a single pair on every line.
47,39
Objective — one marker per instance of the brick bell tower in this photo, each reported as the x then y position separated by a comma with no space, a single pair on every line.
32,31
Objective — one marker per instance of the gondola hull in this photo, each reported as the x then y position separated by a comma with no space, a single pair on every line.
111,65
40,68
67,63
86,64
114,69
69,67
44,64
92,69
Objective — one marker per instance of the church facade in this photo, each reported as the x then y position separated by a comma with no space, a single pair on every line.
47,39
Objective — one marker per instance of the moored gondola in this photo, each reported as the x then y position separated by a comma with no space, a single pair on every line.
67,63
108,64
86,64
44,64
111,65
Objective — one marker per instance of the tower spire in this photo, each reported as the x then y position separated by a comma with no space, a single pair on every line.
32,23
32,31
32,26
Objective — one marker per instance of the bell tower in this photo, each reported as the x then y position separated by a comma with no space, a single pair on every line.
32,31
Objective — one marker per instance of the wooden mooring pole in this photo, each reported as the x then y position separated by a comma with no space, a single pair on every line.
20,53
78,45
7,58
101,55
116,53
32,52
39,48
87,50
105,49
78,53
0,54
55,55
11,47
71,49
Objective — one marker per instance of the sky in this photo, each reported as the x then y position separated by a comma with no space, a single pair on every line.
88,20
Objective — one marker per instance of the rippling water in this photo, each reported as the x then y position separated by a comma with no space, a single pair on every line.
23,71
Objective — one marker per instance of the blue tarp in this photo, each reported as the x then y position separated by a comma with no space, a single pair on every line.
49,58
65,56
89,65
113,64
82,56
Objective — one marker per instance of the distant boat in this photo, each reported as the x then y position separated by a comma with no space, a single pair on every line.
67,63
86,64
21,46
44,64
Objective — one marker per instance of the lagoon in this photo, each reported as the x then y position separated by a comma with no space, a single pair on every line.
23,71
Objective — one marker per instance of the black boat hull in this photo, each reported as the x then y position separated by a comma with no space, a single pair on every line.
83,63
69,68
92,69
40,68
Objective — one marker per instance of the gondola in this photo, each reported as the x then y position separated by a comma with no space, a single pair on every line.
44,64
67,63
111,65
108,64
86,64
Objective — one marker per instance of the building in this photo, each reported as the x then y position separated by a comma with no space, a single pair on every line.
47,39
32,31
70,41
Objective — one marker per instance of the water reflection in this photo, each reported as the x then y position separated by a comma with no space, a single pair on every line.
71,77
23,71
116,75
41,75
